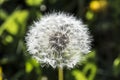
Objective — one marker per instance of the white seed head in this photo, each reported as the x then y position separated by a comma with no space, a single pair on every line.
58,39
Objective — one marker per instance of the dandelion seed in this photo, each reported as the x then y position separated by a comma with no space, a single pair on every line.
59,40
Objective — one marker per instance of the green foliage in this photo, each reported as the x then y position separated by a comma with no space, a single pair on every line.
89,70
33,2
79,75
14,22
30,64
92,68
3,14
89,15
102,18
116,66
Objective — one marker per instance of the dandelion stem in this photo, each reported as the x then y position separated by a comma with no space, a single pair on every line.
60,73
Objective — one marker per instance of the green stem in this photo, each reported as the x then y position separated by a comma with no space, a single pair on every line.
60,73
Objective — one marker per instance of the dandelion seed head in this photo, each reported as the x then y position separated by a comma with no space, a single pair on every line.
58,39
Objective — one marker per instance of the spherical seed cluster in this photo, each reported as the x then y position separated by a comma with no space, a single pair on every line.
59,40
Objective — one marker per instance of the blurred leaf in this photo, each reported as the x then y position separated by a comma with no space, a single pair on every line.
78,75
11,25
8,39
28,67
33,2
38,14
90,57
8,59
4,61
34,62
116,66
36,65
89,15
3,14
30,64
116,62
91,54
90,67
2,1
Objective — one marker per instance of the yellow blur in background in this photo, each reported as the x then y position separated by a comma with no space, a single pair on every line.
98,5
1,73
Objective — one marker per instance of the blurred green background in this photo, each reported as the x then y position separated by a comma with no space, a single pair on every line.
102,18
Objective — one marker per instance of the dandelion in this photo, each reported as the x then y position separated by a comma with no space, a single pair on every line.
58,39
